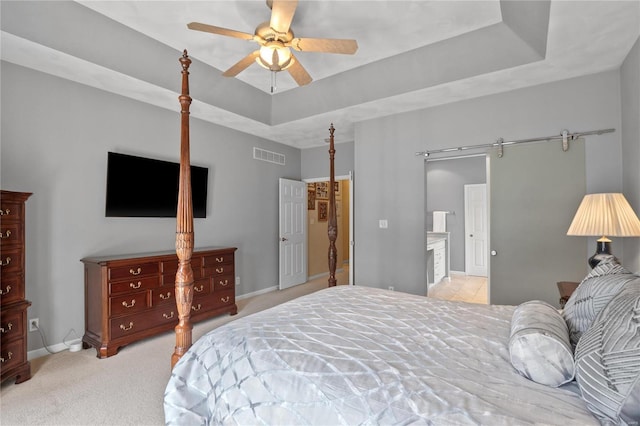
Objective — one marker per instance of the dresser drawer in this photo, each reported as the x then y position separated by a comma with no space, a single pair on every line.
213,301
12,261
11,288
223,282
201,287
12,325
163,295
217,259
132,285
11,233
131,324
11,211
133,270
215,271
130,303
13,354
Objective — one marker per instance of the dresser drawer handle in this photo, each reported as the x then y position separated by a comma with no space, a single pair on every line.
225,299
196,308
135,271
5,262
9,355
9,327
5,212
199,289
126,328
6,234
219,259
165,296
5,291
133,302
219,270
224,283
135,286
168,316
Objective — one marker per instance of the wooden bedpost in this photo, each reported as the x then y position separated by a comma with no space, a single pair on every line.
332,223
184,226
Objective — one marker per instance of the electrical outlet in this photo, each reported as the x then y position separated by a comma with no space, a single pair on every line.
34,324
238,281
391,288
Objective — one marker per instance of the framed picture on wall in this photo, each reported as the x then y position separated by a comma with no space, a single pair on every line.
311,196
323,211
322,190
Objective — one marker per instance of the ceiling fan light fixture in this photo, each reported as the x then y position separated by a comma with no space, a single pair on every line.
274,56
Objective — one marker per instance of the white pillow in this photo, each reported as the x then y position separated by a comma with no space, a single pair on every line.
608,359
539,345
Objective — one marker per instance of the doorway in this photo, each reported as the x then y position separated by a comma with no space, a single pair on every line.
318,240
445,182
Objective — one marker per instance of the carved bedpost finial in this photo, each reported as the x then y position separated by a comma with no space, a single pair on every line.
185,60
332,223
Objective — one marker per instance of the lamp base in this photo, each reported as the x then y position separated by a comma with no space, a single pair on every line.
603,251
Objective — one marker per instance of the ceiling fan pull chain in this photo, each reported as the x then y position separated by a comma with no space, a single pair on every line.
273,81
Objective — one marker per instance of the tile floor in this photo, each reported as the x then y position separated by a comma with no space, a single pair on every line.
464,288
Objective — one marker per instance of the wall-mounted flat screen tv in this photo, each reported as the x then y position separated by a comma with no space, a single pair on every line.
145,187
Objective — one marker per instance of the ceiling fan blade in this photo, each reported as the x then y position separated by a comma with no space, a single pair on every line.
327,45
242,64
299,74
282,12
219,30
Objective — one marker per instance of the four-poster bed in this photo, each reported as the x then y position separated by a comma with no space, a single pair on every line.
362,355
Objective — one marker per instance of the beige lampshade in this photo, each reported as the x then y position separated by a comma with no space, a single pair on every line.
605,215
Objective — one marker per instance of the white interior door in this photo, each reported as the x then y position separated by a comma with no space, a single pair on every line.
293,233
475,226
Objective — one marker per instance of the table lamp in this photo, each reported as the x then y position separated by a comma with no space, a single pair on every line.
604,215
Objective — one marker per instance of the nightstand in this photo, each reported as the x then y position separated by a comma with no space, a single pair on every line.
566,289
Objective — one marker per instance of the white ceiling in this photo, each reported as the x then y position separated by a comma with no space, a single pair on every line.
412,55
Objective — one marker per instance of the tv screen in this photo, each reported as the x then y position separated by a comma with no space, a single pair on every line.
145,187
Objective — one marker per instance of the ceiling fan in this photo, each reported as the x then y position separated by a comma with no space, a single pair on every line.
275,38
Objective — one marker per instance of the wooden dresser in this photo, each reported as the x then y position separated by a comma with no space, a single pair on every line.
131,297
13,322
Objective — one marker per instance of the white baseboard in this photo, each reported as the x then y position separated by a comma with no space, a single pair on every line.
257,293
59,347
324,274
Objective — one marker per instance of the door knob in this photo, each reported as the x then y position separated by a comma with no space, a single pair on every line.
494,253
283,239
470,235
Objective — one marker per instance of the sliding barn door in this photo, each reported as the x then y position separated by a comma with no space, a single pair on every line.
535,190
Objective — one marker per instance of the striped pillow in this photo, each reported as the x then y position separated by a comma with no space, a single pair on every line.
608,359
539,347
593,294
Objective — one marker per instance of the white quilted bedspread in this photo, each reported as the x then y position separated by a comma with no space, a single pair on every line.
356,355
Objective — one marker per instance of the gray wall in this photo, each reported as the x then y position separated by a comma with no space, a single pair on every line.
55,138
315,161
630,89
445,180
390,178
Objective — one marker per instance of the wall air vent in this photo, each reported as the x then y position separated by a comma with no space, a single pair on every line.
270,156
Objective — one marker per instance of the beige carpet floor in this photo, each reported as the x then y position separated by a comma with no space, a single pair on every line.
77,388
